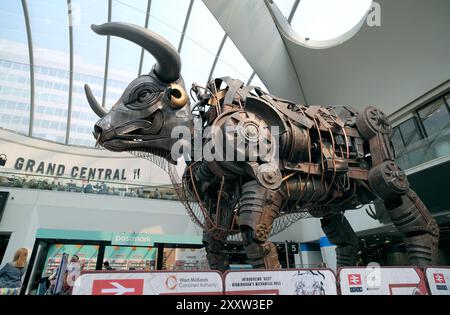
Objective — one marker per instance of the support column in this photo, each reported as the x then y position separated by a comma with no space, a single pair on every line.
328,251
310,255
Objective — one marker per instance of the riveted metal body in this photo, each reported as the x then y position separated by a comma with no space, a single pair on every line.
272,161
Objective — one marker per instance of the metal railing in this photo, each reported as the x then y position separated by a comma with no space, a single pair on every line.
67,184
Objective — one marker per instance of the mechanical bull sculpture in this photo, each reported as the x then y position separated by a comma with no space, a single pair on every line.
328,159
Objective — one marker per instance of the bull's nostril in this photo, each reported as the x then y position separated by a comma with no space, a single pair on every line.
97,131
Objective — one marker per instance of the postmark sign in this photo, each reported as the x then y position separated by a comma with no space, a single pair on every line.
148,283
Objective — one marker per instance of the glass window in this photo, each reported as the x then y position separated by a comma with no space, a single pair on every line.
124,55
201,42
231,63
169,24
13,55
410,131
285,6
16,120
397,140
49,23
130,258
45,124
16,66
258,83
435,117
184,259
5,118
328,22
86,253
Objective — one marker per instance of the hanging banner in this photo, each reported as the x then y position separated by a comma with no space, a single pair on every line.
382,281
281,282
438,280
149,283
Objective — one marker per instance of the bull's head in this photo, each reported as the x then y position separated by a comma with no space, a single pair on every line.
151,106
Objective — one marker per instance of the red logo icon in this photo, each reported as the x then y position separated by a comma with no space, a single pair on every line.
439,278
118,287
354,279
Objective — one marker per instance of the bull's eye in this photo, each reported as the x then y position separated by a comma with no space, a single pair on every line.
143,95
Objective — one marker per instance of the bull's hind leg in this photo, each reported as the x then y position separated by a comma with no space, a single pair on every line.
407,212
258,209
420,230
388,181
339,232
217,259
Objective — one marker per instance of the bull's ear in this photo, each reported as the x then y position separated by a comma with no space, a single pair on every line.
177,96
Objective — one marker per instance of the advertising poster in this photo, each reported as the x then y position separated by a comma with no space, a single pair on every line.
191,259
382,281
130,258
149,283
438,280
281,282
86,253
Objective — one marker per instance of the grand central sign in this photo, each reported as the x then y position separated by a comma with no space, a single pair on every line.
78,172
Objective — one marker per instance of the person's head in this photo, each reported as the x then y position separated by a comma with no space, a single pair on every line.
106,264
74,258
20,258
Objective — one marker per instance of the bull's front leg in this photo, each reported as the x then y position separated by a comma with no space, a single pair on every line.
258,209
217,259
419,228
408,213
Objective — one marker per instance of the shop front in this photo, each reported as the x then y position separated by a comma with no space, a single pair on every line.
123,251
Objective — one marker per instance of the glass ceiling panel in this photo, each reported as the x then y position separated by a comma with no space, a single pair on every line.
328,22
51,56
50,31
258,83
89,67
14,68
201,43
124,56
285,6
231,63
168,23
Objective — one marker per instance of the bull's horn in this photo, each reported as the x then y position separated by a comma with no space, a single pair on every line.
96,107
168,67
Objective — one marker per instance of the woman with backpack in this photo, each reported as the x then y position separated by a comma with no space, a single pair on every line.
11,274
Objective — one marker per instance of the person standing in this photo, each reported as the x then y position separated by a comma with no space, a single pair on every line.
106,266
11,274
73,271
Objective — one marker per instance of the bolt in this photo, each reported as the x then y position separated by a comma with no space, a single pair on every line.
269,176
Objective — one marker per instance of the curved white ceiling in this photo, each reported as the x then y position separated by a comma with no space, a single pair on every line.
323,24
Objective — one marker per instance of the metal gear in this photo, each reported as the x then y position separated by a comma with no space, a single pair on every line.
372,121
388,180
